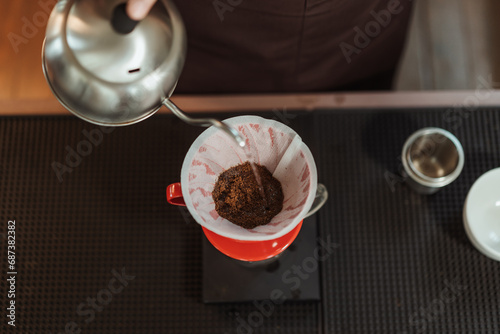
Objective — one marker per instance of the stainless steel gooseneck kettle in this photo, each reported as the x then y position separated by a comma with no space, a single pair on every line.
112,71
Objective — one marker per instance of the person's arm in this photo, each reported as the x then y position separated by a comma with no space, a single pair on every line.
138,9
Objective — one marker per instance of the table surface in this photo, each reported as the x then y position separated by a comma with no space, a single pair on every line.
470,99
402,262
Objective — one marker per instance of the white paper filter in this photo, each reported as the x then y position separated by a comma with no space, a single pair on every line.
272,144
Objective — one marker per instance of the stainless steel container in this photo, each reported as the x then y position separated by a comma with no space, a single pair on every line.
432,158
110,70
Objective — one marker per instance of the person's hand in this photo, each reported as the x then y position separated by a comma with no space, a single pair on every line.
138,9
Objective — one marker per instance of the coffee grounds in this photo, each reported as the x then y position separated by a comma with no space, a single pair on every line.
238,198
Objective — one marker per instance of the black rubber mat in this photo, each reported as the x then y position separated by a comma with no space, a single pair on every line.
405,264
99,249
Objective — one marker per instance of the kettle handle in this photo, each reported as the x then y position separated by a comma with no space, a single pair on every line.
120,20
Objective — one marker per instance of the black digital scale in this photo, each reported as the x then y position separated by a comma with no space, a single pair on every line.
291,275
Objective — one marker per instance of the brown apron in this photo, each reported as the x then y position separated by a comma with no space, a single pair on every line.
257,46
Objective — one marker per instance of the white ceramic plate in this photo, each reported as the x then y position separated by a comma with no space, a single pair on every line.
482,214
